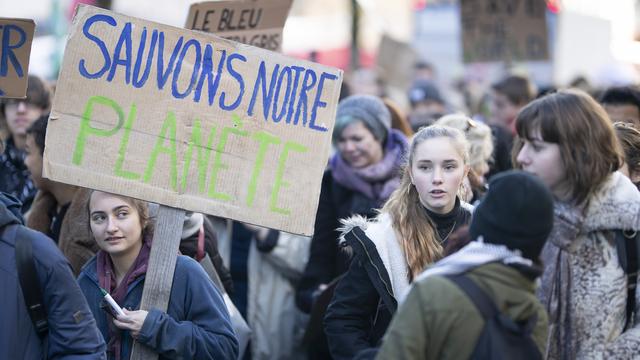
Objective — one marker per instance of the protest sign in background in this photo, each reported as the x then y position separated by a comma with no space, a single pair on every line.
191,121
396,61
253,22
16,36
513,30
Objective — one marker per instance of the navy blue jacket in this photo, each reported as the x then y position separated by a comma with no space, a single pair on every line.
196,325
72,329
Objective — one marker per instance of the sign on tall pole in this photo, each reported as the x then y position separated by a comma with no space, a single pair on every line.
191,121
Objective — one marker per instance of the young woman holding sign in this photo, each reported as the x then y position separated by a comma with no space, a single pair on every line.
408,234
196,324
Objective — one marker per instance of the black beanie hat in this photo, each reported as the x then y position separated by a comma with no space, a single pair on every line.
517,212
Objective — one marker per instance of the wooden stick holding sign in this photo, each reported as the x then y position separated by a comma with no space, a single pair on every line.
190,121
162,264
16,36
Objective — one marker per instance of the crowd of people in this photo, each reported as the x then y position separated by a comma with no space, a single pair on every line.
431,225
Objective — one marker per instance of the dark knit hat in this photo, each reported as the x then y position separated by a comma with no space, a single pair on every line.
366,108
517,212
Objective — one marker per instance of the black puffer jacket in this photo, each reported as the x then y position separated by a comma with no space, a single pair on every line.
363,302
326,261
365,299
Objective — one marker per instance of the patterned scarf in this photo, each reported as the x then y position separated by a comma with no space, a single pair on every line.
556,285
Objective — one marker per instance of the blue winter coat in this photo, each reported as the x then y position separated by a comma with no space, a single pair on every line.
72,330
196,325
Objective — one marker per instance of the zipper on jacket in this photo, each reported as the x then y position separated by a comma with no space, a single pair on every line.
386,286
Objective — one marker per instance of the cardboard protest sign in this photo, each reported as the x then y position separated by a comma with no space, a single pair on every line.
253,22
396,61
512,30
191,120
16,36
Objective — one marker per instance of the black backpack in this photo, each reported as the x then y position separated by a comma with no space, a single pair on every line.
628,249
501,337
28,277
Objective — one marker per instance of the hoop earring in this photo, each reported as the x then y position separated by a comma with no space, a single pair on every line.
465,193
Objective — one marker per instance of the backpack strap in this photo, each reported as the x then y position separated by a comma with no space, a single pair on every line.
627,248
480,299
28,277
30,283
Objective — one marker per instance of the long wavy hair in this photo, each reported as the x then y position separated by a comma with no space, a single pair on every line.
417,233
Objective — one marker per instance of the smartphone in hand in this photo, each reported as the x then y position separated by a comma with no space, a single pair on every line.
104,305
114,308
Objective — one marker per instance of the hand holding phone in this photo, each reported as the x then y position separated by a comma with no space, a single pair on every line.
112,304
133,321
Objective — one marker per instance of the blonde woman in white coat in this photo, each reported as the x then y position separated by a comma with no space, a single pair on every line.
408,234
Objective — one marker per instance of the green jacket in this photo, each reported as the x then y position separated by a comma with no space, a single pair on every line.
438,321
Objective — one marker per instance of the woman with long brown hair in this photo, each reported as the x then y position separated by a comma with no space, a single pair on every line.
407,235
568,141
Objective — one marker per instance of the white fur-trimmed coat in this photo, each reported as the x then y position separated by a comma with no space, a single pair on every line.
583,286
380,231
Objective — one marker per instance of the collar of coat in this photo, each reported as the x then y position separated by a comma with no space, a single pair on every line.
615,206
376,242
